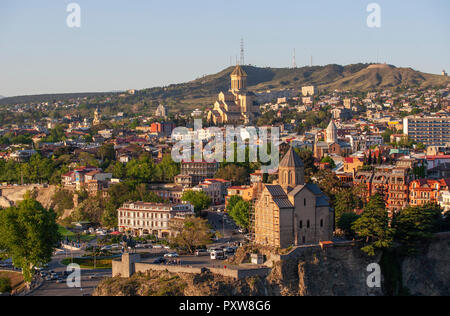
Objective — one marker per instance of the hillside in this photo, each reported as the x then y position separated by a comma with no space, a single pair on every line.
203,91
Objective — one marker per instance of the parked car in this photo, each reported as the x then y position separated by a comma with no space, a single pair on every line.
160,260
157,246
229,250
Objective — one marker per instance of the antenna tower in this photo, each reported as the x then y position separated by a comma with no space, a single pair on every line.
294,64
242,61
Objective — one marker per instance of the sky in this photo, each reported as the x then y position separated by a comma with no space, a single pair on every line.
145,43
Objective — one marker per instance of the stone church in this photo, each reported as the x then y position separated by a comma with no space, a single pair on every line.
331,145
237,105
291,212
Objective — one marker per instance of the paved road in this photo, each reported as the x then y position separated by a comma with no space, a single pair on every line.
226,227
89,280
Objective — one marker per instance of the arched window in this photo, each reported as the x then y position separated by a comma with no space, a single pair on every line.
321,223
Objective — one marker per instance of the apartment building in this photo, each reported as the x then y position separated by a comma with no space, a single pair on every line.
431,131
425,191
151,218
192,173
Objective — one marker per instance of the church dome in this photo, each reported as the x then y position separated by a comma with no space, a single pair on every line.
291,160
238,71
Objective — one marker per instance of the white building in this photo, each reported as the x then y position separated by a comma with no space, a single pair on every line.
444,201
150,218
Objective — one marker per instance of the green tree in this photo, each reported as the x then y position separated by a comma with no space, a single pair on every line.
166,170
236,174
5,285
200,200
109,216
346,201
193,233
240,214
232,201
29,234
416,224
345,223
330,161
373,225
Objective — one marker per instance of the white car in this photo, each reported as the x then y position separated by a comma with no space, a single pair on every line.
171,255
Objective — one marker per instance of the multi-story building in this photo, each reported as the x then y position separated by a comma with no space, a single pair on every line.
151,218
390,183
215,189
425,191
192,173
398,190
444,201
308,91
430,131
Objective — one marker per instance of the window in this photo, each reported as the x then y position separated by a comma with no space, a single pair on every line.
307,224
321,223
301,224
304,202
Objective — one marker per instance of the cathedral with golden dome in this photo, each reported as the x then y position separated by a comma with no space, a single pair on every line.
238,105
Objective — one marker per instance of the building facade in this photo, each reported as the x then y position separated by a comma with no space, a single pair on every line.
430,131
151,218
425,191
192,173
290,212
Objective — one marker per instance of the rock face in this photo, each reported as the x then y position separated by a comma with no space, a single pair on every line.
335,271
428,274
340,270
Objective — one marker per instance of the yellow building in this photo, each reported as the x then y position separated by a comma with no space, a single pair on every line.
237,105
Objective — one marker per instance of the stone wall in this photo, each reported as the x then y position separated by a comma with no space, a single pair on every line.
130,264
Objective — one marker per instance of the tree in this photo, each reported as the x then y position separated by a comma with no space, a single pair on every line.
236,174
29,234
5,285
240,214
330,161
346,201
193,233
232,201
346,222
166,170
307,157
373,225
109,216
200,200
416,224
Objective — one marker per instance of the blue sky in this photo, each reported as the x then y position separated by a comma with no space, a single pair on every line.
140,44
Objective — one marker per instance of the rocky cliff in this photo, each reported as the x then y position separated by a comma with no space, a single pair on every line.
335,271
